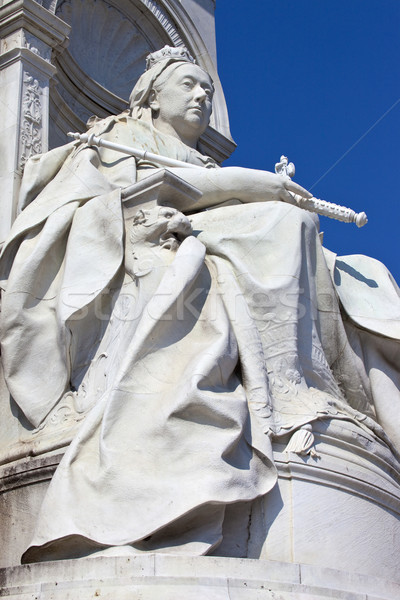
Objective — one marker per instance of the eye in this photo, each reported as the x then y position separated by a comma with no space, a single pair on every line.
187,84
167,213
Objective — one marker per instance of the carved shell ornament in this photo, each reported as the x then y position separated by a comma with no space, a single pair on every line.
117,61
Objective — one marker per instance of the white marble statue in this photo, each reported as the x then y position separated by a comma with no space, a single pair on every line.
189,342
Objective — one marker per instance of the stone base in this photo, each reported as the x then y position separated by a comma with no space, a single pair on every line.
339,509
157,576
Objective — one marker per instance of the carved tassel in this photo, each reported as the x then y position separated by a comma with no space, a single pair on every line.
302,442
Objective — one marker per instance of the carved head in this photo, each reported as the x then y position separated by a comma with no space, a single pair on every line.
160,226
174,94
181,102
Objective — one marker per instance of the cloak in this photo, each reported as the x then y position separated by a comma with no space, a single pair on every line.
188,369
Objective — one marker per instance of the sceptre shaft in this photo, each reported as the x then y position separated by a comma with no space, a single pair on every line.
327,209
93,140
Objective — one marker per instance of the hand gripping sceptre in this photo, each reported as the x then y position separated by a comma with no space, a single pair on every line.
327,209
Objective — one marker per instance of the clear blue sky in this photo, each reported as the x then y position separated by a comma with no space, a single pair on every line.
318,81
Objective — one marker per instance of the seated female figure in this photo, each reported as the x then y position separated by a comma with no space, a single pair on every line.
189,356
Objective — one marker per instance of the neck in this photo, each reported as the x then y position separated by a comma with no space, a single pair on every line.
187,139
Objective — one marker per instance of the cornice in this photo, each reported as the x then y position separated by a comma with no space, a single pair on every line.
29,15
28,57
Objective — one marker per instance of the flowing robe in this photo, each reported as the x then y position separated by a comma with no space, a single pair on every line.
187,370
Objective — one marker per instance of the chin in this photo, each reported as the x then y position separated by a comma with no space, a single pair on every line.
200,123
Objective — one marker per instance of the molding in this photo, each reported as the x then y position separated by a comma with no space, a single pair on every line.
27,57
365,468
69,71
171,576
29,15
165,21
363,481
371,475
28,471
215,144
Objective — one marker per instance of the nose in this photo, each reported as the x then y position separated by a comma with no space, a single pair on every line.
200,94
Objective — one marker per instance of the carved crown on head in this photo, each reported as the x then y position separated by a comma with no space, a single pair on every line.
180,53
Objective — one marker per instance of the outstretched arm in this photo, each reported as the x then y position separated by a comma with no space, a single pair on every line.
217,185
246,185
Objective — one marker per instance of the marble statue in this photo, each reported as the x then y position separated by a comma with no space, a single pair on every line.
191,336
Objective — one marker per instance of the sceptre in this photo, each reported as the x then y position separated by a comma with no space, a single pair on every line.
327,209
93,140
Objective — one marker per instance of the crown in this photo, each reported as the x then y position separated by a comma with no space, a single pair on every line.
168,52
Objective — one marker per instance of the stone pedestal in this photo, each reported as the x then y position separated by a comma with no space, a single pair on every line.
29,33
339,509
156,577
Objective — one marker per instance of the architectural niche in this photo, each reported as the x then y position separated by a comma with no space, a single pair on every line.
109,42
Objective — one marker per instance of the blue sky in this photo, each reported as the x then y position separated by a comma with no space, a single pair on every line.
319,81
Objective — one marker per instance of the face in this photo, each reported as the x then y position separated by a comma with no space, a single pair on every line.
184,102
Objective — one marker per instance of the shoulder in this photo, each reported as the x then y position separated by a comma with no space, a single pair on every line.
123,120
